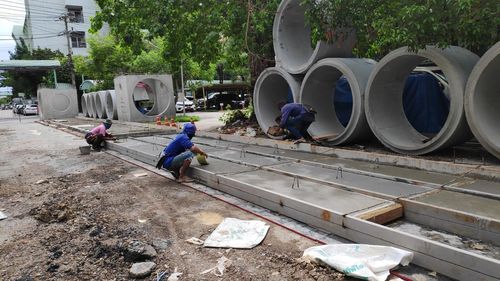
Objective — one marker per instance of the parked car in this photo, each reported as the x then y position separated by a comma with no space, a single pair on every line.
214,100
18,109
189,105
30,109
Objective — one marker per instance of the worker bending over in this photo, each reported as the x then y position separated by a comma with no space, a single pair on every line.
296,118
178,154
97,136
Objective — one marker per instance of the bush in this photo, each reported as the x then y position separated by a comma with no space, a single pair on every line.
232,116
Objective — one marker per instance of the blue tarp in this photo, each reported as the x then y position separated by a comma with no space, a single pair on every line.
424,103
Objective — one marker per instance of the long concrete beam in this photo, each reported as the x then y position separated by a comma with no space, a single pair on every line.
384,99
482,101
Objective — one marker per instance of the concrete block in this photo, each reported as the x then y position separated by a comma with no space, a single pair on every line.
161,93
57,103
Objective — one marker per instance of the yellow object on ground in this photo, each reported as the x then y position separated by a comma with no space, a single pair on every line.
201,159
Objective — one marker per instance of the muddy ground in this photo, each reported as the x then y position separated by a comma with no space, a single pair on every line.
78,221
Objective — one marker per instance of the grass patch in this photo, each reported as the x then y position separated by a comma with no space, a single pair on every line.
186,118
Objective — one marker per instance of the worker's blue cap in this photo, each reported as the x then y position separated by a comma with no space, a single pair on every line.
189,129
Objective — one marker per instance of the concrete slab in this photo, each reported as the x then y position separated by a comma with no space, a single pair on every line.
246,158
321,195
477,185
463,202
383,187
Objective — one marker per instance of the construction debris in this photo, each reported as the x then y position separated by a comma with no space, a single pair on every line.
218,270
195,241
142,269
238,234
2,216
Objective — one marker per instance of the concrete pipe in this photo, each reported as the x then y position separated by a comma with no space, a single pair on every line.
318,91
482,100
384,99
83,100
92,111
273,86
292,40
100,103
111,109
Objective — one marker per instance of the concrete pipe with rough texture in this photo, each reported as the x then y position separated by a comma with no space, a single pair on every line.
384,99
292,40
111,109
318,91
482,100
92,111
271,88
100,103
83,100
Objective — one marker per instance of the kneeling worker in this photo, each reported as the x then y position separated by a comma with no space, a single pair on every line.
97,136
177,156
296,118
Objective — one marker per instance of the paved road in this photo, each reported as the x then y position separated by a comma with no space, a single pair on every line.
209,120
7,115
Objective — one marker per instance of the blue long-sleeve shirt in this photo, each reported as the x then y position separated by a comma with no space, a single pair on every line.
291,110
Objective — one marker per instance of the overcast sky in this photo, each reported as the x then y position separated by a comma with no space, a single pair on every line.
11,13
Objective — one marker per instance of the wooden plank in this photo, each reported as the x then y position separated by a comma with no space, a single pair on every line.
383,215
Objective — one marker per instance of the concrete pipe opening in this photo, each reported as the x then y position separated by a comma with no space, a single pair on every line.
273,86
292,40
111,109
482,101
100,103
335,89
384,106
84,105
92,111
144,97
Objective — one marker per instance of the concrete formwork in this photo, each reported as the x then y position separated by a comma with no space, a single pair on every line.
162,95
100,105
111,108
482,101
272,87
57,103
85,111
318,91
384,99
325,206
292,40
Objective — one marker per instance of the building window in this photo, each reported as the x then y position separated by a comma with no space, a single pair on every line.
75,13
78,39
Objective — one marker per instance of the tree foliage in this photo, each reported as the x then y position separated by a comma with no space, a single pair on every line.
384,25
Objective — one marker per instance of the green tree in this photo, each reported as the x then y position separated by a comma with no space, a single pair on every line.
384,25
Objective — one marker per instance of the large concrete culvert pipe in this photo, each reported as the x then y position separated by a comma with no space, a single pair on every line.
111,109
83,100
92,109
273,86
482,100
292,40
384,99
100,103
318,91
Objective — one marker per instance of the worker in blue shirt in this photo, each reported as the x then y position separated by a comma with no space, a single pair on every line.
296,118
177,155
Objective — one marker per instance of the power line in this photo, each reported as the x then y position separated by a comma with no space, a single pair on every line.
43,37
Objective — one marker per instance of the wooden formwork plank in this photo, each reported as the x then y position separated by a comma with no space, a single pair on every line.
383,215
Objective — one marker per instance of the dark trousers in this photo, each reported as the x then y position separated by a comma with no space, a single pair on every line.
96,141
298,127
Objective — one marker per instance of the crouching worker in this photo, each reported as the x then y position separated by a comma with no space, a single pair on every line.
296,118
178,154
97,136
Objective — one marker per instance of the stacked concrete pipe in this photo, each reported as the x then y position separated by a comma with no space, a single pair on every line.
482,101
271,88
100,103
83,100
318,91
92,111
384,99
111,109
292,40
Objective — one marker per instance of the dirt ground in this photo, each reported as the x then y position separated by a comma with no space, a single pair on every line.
78,222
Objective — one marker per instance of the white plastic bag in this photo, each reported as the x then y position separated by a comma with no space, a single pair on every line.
368,262
238,234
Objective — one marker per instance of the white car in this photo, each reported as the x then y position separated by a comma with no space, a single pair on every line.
30,109
179,106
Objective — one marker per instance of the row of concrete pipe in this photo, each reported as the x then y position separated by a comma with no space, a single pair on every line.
377,89
100,105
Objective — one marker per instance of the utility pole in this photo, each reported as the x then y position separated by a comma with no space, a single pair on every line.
65,17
